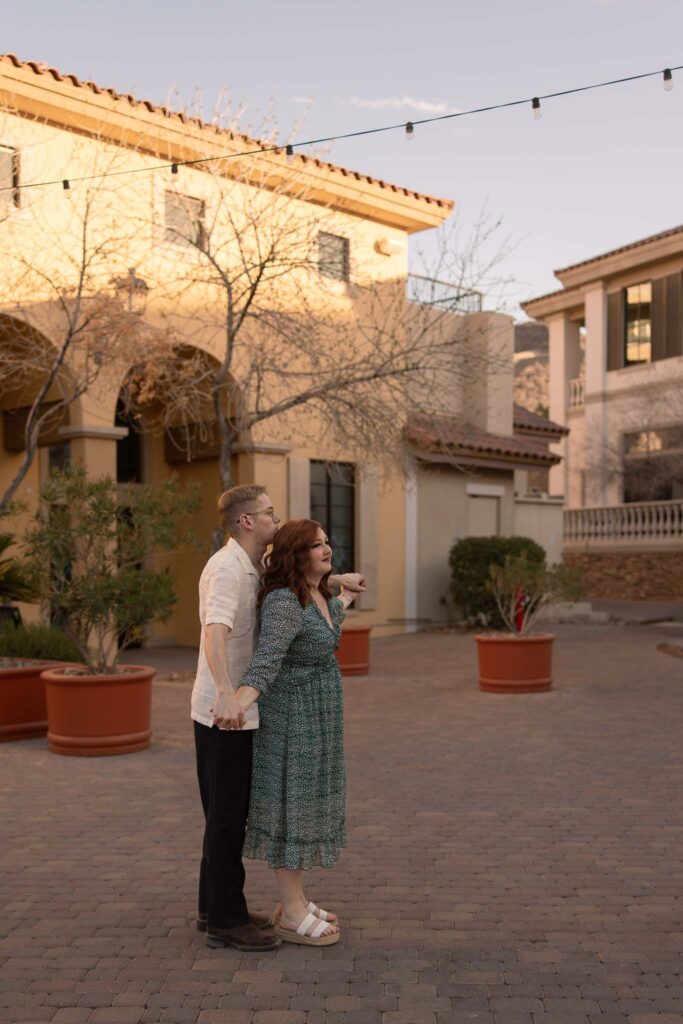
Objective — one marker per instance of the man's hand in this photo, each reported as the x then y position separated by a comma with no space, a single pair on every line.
227,713
352,581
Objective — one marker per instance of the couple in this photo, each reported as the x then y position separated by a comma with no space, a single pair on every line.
294,794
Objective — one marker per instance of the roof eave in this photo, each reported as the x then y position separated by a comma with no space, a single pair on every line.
171,137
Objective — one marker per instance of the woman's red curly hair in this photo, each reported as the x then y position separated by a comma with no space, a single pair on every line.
289,560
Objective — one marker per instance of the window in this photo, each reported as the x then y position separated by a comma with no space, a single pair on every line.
184,220
638,323
653,464
333,256
333,489
9,179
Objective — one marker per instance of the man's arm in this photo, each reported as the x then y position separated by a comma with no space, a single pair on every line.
227,714
353,581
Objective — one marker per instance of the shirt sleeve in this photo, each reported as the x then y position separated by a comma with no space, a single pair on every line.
222,598
281,621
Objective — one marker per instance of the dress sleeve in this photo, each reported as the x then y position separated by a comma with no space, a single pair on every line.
281,621
337,610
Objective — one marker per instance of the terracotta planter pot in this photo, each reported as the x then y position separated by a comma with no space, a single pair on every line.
353,653
23,709
515,664
94,716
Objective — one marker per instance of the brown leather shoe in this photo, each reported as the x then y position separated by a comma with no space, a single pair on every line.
246,938
258,919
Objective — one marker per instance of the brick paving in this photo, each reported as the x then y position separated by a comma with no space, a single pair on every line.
511,860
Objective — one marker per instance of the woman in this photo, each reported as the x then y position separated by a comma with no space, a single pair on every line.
296,814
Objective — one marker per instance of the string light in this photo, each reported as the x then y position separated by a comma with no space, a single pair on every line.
65,184
407,127
536,112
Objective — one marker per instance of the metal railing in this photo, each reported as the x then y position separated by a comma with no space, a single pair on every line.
642,522
442,295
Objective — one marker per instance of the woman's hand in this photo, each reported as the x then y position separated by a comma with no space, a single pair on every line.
347,596
246,696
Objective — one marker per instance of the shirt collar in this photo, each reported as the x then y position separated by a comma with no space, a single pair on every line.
244,559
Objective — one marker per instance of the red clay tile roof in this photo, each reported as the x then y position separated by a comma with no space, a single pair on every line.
527,420
45,69
429,433
622,248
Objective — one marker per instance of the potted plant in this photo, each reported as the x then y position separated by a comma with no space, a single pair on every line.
353,653
517,661
25,652
90,546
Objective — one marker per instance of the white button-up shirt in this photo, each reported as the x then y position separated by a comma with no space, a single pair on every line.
228,588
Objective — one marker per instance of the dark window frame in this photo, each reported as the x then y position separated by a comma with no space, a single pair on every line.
334,266
334,473
172,235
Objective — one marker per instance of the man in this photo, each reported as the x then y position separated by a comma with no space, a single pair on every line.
228,588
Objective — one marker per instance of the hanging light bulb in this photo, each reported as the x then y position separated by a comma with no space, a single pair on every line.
536,109
668,79
174,168
289,150
410,130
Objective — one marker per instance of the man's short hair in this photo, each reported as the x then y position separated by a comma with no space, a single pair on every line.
235,502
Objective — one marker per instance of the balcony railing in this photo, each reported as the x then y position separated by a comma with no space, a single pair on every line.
442,295
648,523
576,392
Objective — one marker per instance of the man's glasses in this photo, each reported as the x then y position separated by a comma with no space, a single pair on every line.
260,512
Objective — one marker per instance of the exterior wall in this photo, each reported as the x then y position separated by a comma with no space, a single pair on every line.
541,519
446,513
631,575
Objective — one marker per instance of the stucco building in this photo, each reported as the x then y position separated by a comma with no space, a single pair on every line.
472,472
616,377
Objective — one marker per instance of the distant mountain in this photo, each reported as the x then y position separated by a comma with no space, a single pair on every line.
531,366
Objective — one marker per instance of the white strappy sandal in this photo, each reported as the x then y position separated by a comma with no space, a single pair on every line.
308,933
323,915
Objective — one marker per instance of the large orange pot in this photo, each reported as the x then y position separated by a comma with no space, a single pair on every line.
93,716
353,653
23,710
515,664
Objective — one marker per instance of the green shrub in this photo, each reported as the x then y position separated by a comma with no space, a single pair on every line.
46,642
471,560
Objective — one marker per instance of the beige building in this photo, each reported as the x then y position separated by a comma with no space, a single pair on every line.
616,380
473,471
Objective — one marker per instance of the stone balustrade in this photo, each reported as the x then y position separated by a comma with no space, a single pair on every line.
637,524
576,392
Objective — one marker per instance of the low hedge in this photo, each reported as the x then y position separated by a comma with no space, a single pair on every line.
471,560
36,641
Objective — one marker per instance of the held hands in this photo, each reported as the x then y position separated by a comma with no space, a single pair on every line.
352,582
227,712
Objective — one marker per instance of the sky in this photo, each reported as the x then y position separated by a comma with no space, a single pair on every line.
599,169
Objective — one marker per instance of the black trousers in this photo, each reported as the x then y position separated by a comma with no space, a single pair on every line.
224,773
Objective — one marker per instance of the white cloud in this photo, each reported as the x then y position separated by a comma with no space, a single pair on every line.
403,103
305,101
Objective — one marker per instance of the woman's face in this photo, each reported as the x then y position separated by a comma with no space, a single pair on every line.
320,554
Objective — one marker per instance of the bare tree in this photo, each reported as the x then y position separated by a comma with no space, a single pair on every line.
294,335
68,315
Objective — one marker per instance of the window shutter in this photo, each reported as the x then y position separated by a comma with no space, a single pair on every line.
674,316
615,330
658,314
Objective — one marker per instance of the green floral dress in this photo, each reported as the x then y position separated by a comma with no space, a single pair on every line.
296,814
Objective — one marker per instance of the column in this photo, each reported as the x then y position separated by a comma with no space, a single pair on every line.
564,364
595,395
